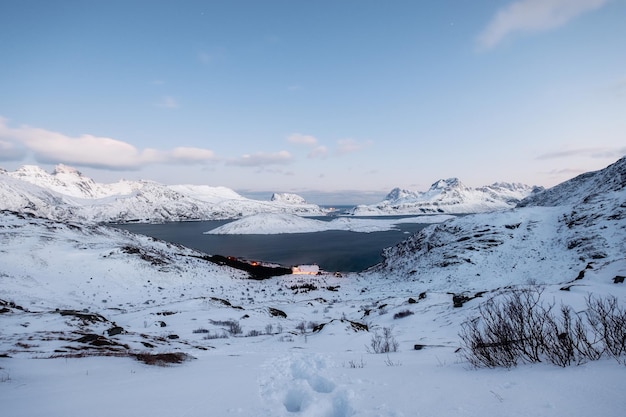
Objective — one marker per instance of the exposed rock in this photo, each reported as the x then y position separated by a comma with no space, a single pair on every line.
274,312
114,331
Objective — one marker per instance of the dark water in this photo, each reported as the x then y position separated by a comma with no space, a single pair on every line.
332,250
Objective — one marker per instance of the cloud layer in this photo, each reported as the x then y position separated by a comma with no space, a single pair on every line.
316,150
598,152
527,16
48,147
261,159
89,151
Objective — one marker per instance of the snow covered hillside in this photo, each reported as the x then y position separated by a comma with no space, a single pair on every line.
268,223
555,236
86,312
448,196
66,194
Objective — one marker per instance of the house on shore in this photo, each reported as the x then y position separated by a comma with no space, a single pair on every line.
305,270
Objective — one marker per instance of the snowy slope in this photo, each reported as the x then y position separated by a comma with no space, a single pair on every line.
66,194
268,223
582,189
583,228
448,196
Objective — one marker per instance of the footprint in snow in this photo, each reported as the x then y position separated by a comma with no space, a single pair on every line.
297,385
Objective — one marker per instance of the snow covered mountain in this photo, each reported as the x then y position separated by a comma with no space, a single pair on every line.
288,198
448,196
66,194
274,223
574,229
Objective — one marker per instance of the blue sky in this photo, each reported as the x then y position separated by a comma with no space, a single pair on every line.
322,98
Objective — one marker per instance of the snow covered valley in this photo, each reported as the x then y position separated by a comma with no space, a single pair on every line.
99,321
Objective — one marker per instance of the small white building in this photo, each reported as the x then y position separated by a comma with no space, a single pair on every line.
305,270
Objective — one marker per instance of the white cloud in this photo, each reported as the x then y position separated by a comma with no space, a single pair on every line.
167,102
598,152
191,155
527,16
275,171
263,159
346,146
93,151
301,139
10,151
319,152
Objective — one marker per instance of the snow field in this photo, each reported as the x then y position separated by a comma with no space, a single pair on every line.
298,382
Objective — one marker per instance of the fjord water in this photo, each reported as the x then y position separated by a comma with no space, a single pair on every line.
335,250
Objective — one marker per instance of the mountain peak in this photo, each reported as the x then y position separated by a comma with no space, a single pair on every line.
30,170
398,193
64,169
288,198
446,183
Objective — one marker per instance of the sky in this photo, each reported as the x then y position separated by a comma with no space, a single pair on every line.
339,101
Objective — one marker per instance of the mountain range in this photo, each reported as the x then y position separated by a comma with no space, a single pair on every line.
66,194
448,196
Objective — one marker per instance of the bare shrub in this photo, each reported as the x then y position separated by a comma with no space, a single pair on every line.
389,362
233,327
507,331
519,328
402,314
383,343
286,338
301,326
4,376
213,336
163,359
608,321
561,340
201,330
356,365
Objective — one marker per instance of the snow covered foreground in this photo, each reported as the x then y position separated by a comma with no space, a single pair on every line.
80,304
270,223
